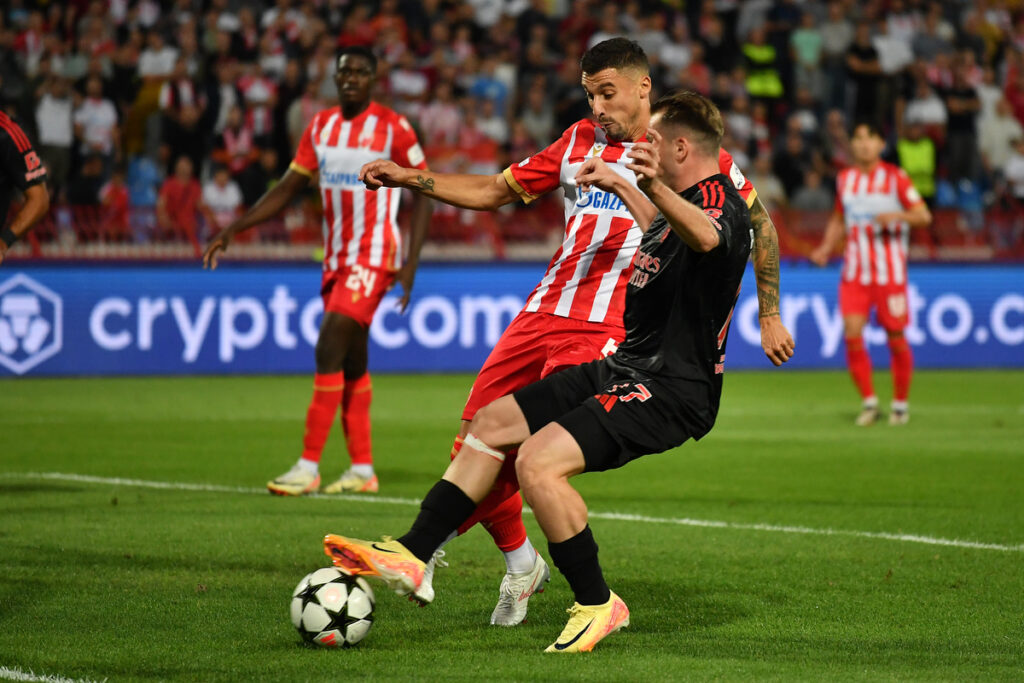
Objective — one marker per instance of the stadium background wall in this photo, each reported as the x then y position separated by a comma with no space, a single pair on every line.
169,320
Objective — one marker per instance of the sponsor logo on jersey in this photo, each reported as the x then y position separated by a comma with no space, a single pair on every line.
31,318
337,178
600,200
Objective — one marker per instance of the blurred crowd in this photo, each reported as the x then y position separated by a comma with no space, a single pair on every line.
164,118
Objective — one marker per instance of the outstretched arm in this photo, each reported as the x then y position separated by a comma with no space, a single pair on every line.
479,192
269,205
775,338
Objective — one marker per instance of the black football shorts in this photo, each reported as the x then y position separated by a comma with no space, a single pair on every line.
614,417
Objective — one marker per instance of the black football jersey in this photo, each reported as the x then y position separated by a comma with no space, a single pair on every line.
679,302
20,167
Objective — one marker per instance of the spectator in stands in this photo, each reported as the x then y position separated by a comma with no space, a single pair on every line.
739,123
56,131
441,119
769,188
221,95
113,196
538,116
408,85
998,133
177,92
963,106
185,136
223,198
865,70
257,178
929,110
916,155
930,40
806,44
301,112
812,195
236,146
764,81
491,123
179,204
989,93
1014,172
791,161
836,38
96,125
155,65
84,188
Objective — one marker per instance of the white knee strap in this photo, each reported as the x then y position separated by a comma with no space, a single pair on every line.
476,444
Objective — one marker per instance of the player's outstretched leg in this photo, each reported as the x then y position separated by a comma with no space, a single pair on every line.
390,560
403,563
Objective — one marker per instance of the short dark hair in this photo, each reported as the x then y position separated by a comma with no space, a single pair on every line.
694,112
358,51
873,129
615,53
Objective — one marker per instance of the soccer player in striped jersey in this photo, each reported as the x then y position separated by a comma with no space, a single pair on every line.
21,168
362,260
574,315
876,206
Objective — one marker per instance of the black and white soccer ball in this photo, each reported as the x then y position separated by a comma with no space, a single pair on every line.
332,609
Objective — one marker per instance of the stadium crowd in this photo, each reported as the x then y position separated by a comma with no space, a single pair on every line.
161,119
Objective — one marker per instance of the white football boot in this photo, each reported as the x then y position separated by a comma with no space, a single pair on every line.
515,593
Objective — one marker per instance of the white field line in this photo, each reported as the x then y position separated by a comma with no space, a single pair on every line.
614,516
16,674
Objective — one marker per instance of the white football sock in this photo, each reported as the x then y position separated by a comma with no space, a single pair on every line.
900,406
309,466
870,402
520,560
365,471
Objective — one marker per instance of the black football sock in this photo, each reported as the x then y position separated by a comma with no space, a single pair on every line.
443,509
576,558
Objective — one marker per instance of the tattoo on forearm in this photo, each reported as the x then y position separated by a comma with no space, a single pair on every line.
425,184
766,260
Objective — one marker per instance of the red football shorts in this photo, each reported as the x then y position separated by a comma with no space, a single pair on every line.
889,302
532,347
355,291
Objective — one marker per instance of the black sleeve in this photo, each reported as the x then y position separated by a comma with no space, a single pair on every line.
21,163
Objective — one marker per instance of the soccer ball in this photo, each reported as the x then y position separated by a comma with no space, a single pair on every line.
332,609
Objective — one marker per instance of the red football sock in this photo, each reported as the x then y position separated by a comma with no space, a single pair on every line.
902,367
859,362
327,390
355,419
505,523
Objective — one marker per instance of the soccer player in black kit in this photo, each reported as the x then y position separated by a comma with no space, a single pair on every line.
659,389
21,168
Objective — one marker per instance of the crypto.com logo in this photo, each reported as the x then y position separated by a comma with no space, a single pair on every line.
30,323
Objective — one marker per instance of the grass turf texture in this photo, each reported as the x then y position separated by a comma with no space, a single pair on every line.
129,583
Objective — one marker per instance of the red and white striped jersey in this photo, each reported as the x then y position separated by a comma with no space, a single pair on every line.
360,226
875,253
586,279
729,169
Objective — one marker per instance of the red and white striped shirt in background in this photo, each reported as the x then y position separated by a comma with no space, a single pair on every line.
360,226
586,279
875,254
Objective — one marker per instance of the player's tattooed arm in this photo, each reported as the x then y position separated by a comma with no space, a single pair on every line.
775,338
466,191
766,259
424,184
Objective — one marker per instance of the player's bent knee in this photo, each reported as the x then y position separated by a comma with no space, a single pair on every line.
535,464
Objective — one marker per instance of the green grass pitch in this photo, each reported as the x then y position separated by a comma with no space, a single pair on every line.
102,579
